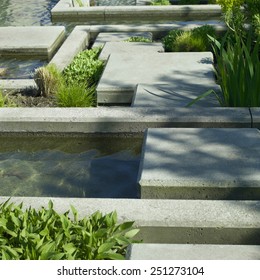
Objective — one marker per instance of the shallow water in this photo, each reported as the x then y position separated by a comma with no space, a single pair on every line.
115,2
104,167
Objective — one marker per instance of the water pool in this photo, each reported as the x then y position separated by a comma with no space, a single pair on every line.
68,166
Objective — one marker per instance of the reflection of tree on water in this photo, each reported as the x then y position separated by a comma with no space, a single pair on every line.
28,12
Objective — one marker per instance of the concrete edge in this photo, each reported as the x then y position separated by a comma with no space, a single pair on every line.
117,119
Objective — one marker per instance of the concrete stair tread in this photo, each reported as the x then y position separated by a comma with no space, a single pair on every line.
193,252
201,163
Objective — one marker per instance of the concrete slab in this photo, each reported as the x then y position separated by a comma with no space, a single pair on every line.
123,72
192,252
174,95
104,37
37,41
171,221
17,84
117,120
129,48
201,163
255,112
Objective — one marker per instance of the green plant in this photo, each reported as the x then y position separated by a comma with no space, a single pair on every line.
48,79
5,101
139,39
76,95
160,3
85,68
44,234
192,40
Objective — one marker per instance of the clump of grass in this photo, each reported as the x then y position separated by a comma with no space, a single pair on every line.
160,3
139,39
194,40
5,101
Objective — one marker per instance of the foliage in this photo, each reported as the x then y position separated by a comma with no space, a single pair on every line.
85,68
160,3
48,79
192,40
46,235
5,101
139,39
76,95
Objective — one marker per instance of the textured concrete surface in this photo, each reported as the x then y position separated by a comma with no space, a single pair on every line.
199,163
17,84
127,48
124,71
172,221
174,95
255,117
192,252
104,37
118,120
40,41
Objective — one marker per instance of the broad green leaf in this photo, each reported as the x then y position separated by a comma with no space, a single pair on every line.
105,247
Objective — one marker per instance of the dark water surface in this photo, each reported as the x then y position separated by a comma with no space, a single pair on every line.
104,167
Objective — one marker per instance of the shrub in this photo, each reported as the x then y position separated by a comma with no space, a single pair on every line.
46,235
85,68
139,39
76,95
160,3
189,41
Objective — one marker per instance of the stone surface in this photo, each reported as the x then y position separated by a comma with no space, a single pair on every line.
192,252
104,37
172,221
39,41
199,163
174,95
124,71
127,48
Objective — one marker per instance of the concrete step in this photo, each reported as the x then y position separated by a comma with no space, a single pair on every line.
192,252
171,221
31,41
200,163
175,95
124,71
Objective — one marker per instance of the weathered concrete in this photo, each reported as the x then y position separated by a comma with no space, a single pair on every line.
174,95
38,41
104,37
172,221
104,119
192,252
126,48
129,14
255,112
199,163
124,71
17,84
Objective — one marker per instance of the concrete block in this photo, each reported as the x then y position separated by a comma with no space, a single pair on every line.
201,163
171,221
175,94
192,252
255,113
36,41
124,71
17,84
129,48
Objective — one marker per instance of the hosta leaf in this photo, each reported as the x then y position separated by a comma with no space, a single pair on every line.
126,225
131,233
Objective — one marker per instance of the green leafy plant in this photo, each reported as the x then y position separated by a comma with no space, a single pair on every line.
192,40
44,234
139,39
160,3
5,101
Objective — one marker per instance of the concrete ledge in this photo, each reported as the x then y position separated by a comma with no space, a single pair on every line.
17,84
192,252
255,117
103,119
172,221
128,14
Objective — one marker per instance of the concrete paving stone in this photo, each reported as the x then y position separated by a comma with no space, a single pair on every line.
124,71
255,113
201,163
174,95
104,37
37,41
128,48
192,252
171,221
17,84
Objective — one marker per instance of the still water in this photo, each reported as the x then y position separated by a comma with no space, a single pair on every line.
100,167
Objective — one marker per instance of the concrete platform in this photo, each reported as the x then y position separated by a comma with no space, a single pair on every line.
36,41
171,221
174,95
192,252
123,72
127,48
104,37
190,163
